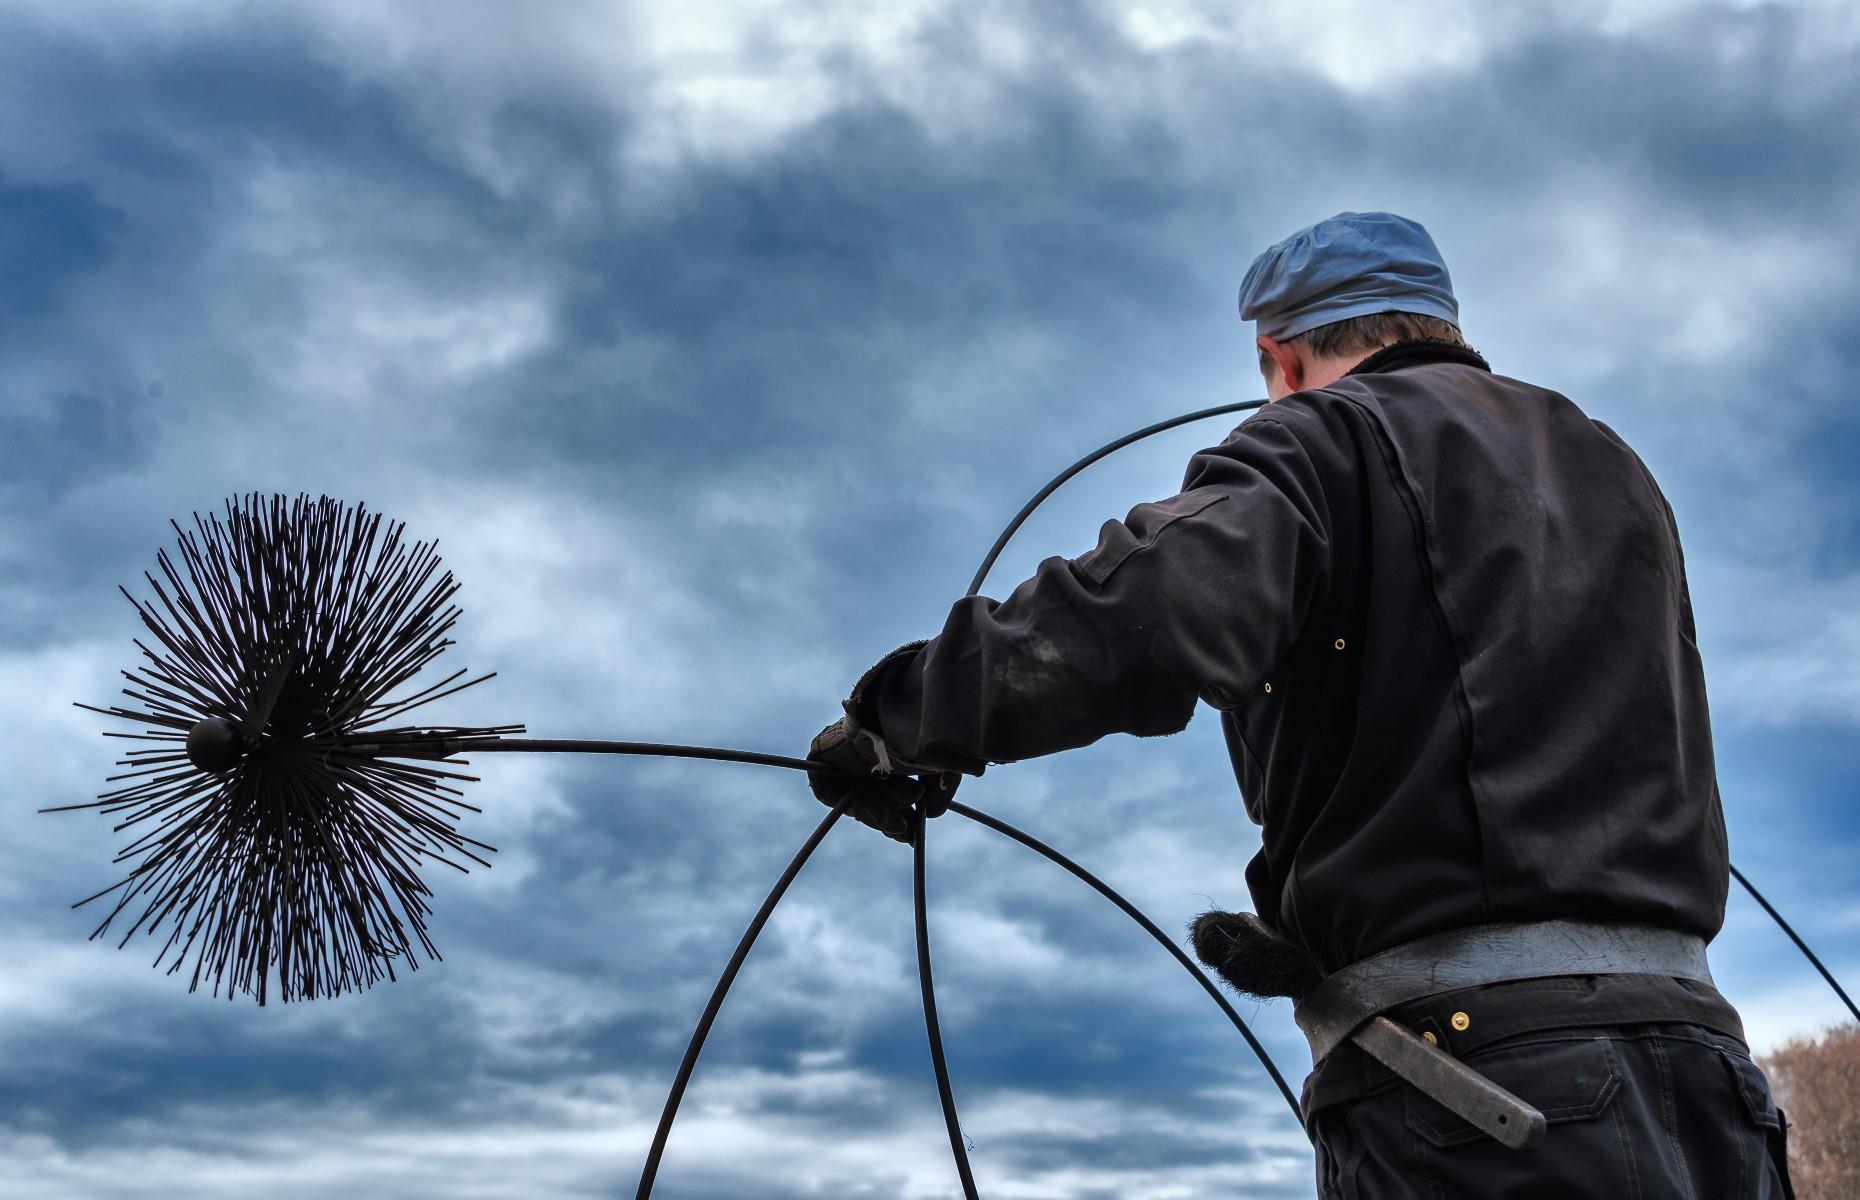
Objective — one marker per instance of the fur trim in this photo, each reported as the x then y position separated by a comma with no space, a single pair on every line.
1254,959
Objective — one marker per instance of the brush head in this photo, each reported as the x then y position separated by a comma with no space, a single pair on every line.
281,819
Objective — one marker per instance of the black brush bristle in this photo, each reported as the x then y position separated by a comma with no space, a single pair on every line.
280,822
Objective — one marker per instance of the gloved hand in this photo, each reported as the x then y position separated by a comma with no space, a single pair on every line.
883,795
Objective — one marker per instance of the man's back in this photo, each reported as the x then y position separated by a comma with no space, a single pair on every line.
1495,709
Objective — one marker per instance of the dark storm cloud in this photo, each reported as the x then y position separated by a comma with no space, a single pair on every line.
49,233
67,440
810,292
1824,435
96,1090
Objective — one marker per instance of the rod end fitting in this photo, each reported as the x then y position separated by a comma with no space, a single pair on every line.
215,744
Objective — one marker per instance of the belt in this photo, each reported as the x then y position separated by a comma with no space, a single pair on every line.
1345,1004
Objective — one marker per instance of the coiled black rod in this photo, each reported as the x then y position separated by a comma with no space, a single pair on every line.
1796,938
932,1029
699,1035
1149,926
591,746
670,1112
1105,451
931,1026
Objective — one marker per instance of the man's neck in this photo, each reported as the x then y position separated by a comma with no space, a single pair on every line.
1416,352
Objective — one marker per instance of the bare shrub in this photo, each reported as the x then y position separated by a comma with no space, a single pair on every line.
1817,1082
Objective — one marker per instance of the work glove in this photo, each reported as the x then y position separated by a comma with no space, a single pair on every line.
884,790
883,799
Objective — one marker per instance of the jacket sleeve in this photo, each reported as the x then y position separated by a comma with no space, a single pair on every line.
1196,596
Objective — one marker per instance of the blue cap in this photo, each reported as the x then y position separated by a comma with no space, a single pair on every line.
1352,265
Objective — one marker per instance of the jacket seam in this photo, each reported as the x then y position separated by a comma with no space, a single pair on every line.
1330,522
1408,491
1155,536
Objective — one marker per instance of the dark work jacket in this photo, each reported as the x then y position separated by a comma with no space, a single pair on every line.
1444,617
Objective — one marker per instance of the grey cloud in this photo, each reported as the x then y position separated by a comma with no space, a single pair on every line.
49,234
68,440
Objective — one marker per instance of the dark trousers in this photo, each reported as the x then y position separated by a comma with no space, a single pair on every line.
1640,1112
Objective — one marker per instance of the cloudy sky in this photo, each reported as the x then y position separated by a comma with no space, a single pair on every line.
714,341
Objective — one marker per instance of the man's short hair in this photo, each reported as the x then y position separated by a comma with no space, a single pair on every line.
1365,335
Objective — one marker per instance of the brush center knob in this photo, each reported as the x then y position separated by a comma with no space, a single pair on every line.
215,745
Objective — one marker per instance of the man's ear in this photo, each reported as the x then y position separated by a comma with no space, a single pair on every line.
1290,362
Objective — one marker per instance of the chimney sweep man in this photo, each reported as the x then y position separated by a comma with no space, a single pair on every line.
1443,616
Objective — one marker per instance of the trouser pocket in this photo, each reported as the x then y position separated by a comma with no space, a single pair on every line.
1401,1145
1768,1175
1641,1113
1576,1082
1565,1079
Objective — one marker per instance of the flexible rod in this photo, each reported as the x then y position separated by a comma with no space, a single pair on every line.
1149,926
1796,938
597,746
670,1112
931,1025
932,1028
937,1061
1059,480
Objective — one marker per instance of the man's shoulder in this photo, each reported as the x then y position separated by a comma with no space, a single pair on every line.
1313,411
1448,393
1326,422
1305,436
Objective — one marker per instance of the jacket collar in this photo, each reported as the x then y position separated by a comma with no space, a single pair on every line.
1418,352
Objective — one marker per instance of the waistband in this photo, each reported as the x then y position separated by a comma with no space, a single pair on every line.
1341,1002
